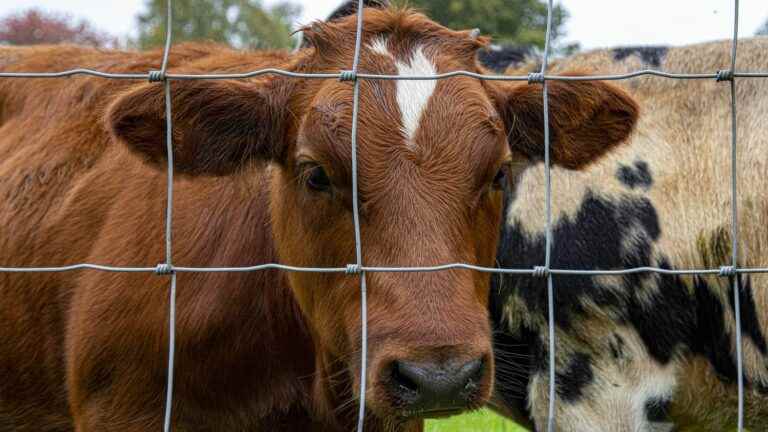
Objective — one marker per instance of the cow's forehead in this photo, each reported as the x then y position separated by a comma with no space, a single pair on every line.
421,117
413,96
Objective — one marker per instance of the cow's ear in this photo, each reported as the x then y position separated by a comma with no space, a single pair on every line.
586,119
217,125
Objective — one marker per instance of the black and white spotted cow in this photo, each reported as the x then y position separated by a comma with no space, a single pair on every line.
644,352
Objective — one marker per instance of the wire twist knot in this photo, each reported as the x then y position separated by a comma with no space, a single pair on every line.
724,75
540,272
348,75
727,271
536,78
353,269
163,269
156,76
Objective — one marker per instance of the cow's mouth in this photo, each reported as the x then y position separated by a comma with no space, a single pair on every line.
432,414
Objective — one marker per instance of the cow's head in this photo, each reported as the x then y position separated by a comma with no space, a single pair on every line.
432,159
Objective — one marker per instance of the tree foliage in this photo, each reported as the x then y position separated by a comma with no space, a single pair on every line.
239,23
35,26
509,22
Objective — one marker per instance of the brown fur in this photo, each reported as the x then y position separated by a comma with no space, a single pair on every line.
264,350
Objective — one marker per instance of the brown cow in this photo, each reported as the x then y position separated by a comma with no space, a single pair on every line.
264,176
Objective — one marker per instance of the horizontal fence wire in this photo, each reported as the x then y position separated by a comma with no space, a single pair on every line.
370,76
354,269
167,268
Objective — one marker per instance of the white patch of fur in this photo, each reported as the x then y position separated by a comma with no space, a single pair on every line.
659,384
379,46
412,96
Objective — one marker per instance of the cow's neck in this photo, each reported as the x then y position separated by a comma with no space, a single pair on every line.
255,311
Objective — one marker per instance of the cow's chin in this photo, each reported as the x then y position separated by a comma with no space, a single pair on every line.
382,405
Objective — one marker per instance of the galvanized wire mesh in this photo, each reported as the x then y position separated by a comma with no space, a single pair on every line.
353,75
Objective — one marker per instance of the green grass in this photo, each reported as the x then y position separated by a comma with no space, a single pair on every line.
479,421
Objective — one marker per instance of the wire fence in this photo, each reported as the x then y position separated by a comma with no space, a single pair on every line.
730,270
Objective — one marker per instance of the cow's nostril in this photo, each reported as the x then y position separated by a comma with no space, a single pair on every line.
473,373
427,388
404,376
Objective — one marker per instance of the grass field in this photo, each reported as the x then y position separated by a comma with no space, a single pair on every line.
480,421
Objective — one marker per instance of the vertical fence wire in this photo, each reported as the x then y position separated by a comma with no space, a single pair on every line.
548,205
735,222
356,220
168,266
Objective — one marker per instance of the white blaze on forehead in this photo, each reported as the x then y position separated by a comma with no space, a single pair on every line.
412,95
380,46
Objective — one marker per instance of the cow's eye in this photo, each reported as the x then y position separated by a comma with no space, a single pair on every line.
316,178
501,177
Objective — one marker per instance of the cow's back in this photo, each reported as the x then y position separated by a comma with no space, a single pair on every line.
70,194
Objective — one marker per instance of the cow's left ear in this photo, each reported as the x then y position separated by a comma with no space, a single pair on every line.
217,125
587,119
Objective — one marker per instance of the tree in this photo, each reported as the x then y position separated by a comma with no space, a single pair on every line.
35,26
239,23
509,22
763,30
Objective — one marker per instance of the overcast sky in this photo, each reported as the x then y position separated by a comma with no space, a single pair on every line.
593,23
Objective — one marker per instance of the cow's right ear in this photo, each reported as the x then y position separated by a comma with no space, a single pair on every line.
217,125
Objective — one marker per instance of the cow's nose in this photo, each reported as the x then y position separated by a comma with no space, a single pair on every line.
431,390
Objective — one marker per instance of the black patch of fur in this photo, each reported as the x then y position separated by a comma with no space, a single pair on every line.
513,353
650,55
593,239
712,339
499,58
577,375
664,318
638,175
617,347
657,410
749,323
514,365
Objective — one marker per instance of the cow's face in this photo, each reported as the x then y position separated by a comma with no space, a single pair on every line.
432,160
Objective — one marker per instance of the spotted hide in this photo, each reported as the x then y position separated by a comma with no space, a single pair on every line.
644,352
